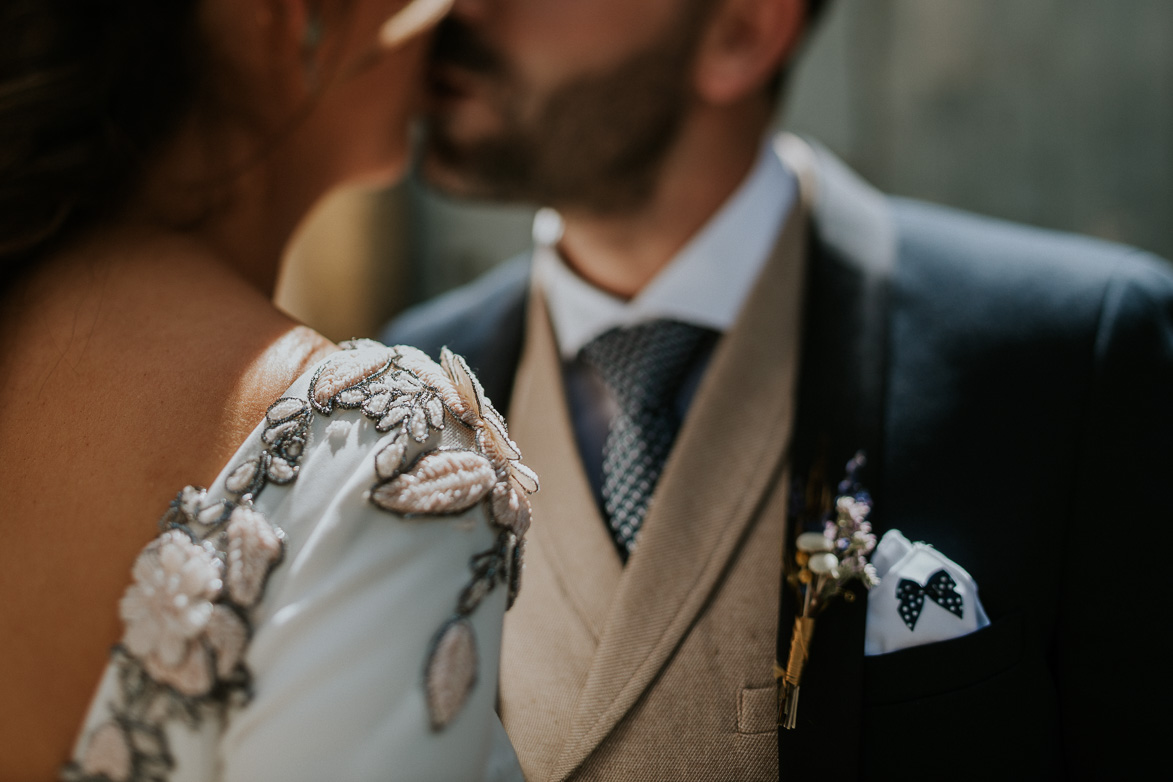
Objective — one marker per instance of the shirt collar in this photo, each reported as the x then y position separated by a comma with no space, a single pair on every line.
705,284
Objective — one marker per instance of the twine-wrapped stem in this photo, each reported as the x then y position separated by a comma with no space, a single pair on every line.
790,677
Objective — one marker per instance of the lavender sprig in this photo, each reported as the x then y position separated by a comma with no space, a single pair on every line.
828,562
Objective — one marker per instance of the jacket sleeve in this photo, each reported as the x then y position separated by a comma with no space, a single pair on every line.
1113,643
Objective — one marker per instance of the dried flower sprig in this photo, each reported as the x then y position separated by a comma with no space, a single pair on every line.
826,563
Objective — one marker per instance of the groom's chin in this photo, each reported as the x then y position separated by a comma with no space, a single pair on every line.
438,165
475,172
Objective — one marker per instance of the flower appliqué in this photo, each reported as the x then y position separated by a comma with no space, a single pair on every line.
186,619
187,613
168,608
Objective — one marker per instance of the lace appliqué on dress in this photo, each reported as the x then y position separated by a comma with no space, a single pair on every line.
186,627
187,614
408,397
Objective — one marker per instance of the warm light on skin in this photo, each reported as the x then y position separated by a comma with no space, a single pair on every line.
413,19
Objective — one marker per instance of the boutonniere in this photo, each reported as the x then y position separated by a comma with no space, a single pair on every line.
825,563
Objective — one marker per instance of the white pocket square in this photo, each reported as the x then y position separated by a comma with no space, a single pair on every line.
923,597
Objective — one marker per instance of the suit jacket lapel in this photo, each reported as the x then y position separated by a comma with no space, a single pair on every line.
841,399
730,449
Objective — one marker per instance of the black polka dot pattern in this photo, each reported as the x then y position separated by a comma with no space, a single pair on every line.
940,588
644,366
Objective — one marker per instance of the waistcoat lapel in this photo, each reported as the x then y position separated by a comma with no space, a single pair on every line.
571,530
572,569
730,449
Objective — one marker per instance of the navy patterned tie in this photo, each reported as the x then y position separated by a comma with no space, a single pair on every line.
644,366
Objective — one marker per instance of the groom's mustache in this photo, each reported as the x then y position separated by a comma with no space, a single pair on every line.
458,45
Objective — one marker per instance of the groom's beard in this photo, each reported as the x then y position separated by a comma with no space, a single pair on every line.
595,143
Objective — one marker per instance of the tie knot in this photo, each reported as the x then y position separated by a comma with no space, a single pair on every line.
643,364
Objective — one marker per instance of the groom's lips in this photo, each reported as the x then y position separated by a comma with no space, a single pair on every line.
462,65
445,82
449,85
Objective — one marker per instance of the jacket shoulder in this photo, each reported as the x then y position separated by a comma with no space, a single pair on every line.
463,318
483,321
1016,259
980,279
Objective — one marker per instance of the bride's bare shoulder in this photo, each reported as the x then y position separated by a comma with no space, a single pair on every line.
121,383
163,335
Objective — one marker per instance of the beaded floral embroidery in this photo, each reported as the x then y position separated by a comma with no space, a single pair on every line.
186,620
187,614
408,397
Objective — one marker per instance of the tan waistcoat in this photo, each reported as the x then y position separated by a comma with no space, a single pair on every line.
660,669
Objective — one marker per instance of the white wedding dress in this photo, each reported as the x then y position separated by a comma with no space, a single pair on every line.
331,607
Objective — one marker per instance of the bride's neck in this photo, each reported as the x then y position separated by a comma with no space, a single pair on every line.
234,197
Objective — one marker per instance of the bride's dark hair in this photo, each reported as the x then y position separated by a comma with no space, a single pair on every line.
89,89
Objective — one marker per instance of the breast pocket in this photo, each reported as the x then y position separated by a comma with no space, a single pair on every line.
973,707
757,710
938,668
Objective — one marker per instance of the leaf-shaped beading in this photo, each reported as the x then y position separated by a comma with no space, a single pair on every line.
292,447
465,383
189,501
389,459
418,363
228,637
488,570
351,397
108,753
192,508
474,593
451,672
525,477
435,411
516,566
274,433
419,424
395,415
153,761
345,370
376,404
511,508
243,476
442,482
214,513
131,677
287,407
254,547
499,435
403,383
280,471
496,449
193,676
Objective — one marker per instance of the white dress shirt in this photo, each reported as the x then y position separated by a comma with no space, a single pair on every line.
705,284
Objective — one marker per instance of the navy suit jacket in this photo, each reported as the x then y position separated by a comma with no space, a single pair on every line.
1015,387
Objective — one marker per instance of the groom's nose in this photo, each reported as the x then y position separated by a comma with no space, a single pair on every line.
472,11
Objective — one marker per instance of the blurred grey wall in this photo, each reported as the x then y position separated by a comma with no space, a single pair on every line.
1057,113
1052,112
